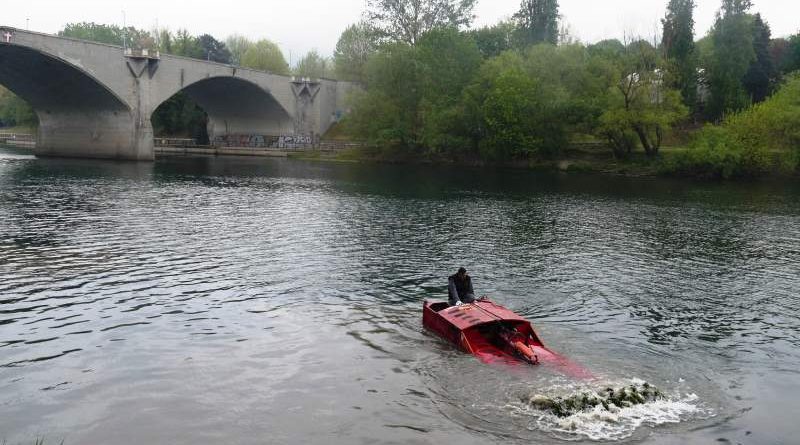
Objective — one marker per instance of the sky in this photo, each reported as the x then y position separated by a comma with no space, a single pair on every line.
302,25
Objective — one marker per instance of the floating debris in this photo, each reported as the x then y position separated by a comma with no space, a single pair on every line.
610,399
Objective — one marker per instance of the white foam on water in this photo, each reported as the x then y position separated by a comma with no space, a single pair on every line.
616,424
600,424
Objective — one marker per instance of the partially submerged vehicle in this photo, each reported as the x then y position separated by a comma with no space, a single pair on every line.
494,334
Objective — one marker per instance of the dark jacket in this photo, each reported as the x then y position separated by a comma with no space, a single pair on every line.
460,289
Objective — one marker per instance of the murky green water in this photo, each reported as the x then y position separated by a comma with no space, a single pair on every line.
244,301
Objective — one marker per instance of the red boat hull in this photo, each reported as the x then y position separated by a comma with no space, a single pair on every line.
494,334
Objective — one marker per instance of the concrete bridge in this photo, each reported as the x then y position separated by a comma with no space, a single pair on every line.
95,100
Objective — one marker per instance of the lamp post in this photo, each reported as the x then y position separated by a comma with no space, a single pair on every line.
290,53
124,31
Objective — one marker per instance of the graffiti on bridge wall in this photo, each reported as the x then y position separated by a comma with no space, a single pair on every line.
265,141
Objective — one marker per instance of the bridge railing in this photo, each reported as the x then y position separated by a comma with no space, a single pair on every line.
175,142
18,139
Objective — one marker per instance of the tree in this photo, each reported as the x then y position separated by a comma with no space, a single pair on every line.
313,65
407,20
265,56
790,60
237,45
761,73
356,44
180,116
537,22
213,50
388,112
15,112
736,7
641,108
164,40
108,34
732,54
186,45
517,114
679,49
494,40
449,60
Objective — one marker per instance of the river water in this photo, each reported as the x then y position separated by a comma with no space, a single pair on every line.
257,301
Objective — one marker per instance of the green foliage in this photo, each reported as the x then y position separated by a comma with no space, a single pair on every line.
237,45
356,44
265,55
641,105
213,50
388,113
730,60
407,20
610,49
761,73
494,40
716,153
542,96
15,111
448,60
794,58
790,57
180,116
109,34
679,49
519,116
186,45
313,65
537,22
742,146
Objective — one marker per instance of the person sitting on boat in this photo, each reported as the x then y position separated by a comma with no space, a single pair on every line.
459,288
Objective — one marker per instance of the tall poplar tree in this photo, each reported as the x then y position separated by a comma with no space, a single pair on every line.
538,21
732,40
679,49
759,78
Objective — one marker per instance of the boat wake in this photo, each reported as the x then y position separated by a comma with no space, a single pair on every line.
607,413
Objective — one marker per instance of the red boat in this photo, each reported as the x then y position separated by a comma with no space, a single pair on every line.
494,334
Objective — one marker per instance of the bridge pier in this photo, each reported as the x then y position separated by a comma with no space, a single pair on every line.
94,134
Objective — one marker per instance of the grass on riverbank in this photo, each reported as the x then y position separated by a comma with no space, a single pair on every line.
18,130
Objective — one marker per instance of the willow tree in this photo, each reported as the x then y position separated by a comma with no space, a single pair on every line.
407,20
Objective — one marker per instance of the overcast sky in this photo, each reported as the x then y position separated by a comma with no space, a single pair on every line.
301,25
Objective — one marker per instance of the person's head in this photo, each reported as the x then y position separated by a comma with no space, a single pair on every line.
462,272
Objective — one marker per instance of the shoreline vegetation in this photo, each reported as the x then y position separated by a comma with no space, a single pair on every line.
579,158
524,92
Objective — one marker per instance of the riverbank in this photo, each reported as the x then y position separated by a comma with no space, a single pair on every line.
583,158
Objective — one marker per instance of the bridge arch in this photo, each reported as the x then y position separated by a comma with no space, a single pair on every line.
237,106
77,113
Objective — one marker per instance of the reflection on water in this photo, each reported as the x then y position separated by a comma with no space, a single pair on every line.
244,301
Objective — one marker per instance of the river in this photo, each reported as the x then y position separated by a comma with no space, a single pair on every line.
251,301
